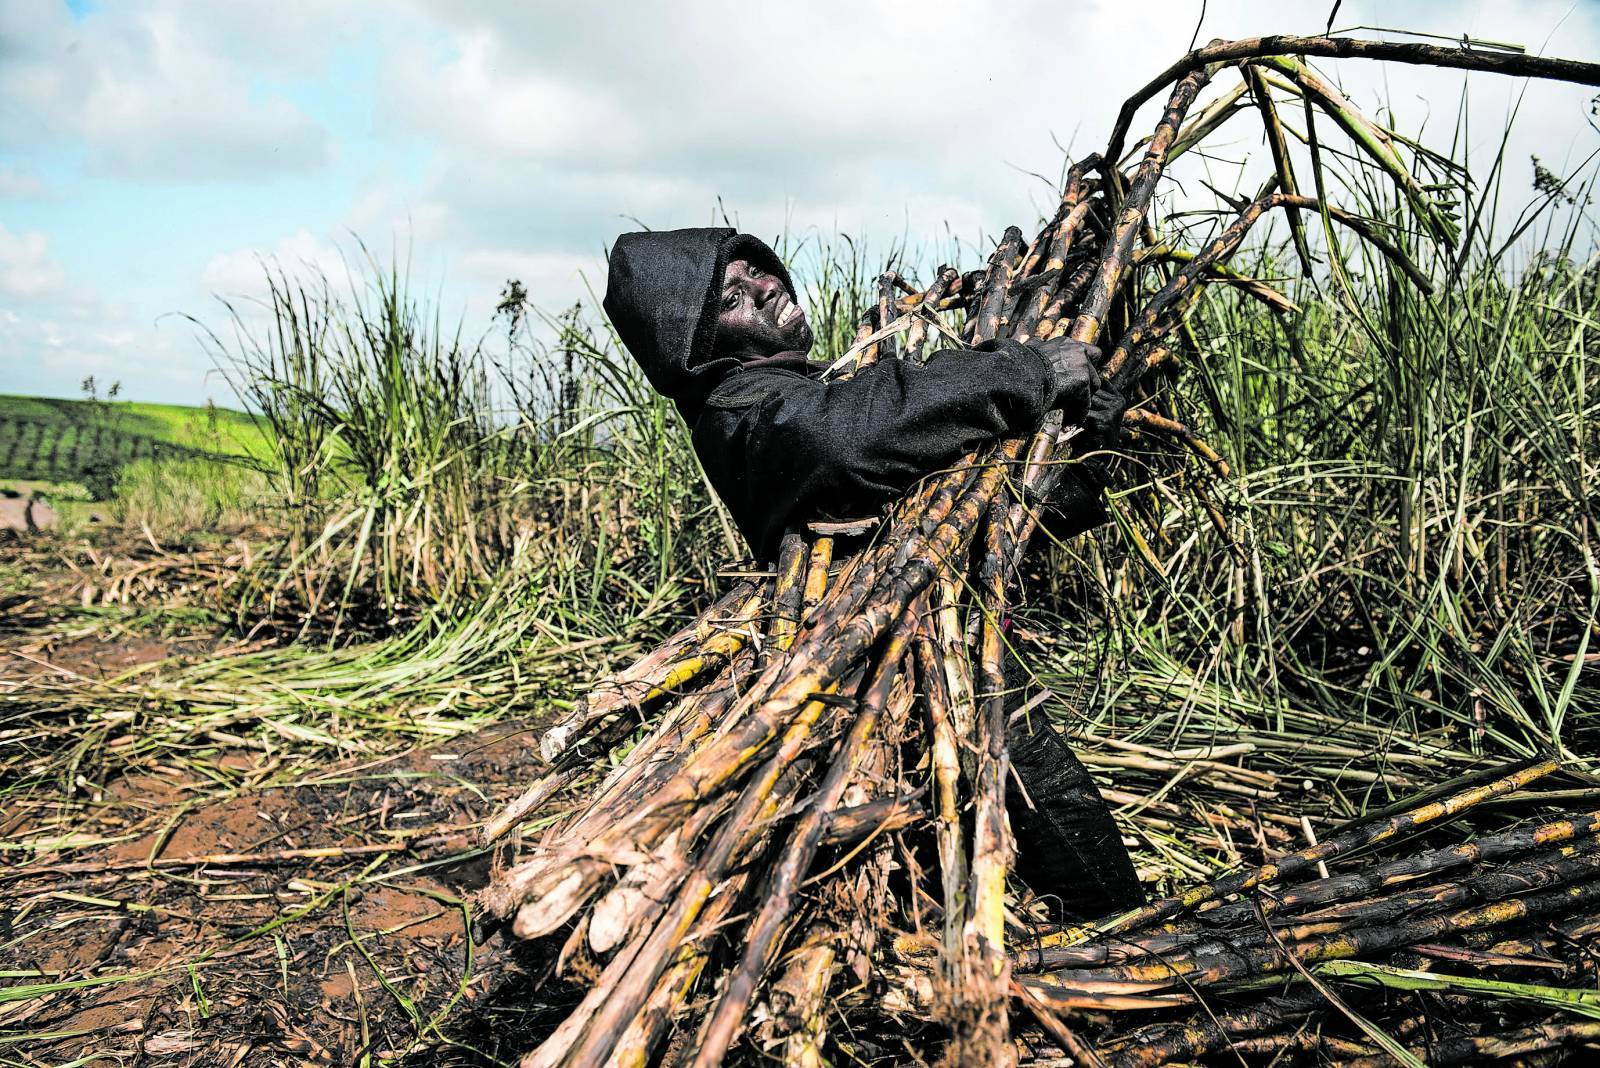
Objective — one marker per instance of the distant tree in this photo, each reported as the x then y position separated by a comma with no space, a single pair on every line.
98,422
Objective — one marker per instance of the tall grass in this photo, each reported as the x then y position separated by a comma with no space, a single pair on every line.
185,495
413,465
1411,559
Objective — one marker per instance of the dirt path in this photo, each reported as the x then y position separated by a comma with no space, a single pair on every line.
24,514
154,954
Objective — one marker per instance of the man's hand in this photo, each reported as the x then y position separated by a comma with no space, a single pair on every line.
1072,366
1102,422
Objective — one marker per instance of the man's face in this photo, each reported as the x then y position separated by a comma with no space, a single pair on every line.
758,317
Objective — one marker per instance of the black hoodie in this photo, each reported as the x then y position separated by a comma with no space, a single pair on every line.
781,446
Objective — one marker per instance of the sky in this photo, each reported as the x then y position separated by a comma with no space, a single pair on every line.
154,154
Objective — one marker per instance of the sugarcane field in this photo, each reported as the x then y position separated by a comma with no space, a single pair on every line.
866,535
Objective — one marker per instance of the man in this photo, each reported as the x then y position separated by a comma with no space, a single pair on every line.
712,318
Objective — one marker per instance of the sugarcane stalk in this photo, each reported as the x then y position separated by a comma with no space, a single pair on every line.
982,1026
1142,419
1219,963
1039,475
1216,52
797,1000
554,885
699,714
543,789
1221,272
1056,1028
798,997
555,1049
816,584
1153,322
867,897
1456,1049
944,756
948,636
956,295
1222,919
636,896
732,611
1135,205
884,313
671,742
1279,147
1157,1044
1334,845
1366,133
552,1051
1063,997
1075,207
749,816
917,335
795,860
793,556
672,990
1055,240
836,643
881,815
1211,117
886,298
1067,295
1551,868
985,321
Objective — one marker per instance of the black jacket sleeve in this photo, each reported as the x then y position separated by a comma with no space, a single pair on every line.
780,447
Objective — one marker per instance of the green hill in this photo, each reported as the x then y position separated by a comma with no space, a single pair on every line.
51,440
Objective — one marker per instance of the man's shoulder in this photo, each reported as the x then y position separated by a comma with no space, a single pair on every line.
750,387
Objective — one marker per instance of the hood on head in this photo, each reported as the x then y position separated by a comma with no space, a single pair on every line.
662,296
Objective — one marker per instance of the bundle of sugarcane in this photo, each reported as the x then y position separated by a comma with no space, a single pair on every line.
1256,955
824,734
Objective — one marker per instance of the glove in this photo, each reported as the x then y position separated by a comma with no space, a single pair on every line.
1072,368
1102,422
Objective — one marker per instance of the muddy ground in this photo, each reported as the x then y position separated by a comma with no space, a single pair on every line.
207,930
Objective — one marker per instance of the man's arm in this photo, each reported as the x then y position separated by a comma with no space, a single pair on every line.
780,447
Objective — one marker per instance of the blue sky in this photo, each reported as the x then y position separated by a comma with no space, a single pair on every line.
152,152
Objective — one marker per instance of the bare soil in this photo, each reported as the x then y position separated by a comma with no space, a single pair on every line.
200,932
175,951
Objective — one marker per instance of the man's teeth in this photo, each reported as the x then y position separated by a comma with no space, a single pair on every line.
787,314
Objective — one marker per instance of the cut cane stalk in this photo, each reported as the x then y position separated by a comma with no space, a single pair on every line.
1333,846
720,629
1187,946
945,739
979,1020
796,858
793,555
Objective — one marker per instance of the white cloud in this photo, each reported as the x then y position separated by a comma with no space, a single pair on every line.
243,272
149,93
49,355
551,278
15,185
555,126
484,97
27,270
